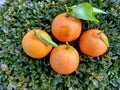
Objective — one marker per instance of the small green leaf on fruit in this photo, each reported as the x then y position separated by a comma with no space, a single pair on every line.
104,39
45,40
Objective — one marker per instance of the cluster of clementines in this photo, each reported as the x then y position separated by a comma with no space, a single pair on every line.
64,58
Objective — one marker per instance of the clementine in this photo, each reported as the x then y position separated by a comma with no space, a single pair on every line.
64,59
33,46
66,28
92,44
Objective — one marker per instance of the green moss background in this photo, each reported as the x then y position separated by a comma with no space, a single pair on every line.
20,72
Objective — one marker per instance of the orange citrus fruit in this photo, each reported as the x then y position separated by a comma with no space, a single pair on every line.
64,60
33,46
66,28
92,44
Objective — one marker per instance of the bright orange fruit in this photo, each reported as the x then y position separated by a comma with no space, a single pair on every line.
33,46
64,60
92,44
66,28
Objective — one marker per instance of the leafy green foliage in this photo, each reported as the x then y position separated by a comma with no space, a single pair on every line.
84,11
19,71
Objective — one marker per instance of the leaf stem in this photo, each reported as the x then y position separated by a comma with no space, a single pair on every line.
68,46
67,11
35,34
99,33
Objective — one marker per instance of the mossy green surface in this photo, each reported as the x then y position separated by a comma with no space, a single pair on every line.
21,72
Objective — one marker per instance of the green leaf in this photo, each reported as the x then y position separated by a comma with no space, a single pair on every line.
96,10
45,40
84,11
104,39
